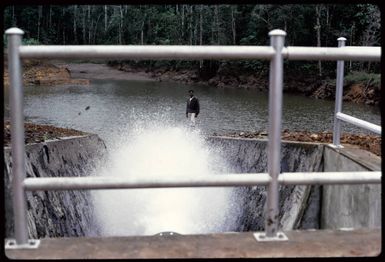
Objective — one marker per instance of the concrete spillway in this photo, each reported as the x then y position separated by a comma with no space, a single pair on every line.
306,206
299,205
58,214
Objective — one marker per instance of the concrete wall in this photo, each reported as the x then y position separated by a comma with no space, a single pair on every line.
69,213
57,213
356,206
299,205
304,207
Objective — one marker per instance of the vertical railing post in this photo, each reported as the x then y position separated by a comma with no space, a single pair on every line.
339,92
14,36
277,40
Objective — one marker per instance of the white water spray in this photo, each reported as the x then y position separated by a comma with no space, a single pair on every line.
156,151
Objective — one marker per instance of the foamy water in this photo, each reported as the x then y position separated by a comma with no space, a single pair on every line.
157,151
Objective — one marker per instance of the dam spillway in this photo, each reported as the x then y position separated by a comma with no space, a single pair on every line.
189,211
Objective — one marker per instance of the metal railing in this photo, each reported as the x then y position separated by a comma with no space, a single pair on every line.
338,115
276,53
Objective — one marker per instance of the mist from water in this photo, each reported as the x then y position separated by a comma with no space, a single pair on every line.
158,150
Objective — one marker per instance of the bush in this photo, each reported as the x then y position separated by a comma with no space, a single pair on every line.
30,41
363,77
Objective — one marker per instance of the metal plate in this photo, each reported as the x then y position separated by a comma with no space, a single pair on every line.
261,236
32,244
334,146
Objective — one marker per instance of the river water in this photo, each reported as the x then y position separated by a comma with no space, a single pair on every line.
146,132
117,104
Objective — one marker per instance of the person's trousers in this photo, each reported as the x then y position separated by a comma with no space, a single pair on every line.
191,116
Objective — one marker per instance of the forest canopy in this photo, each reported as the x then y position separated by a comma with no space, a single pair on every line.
178,24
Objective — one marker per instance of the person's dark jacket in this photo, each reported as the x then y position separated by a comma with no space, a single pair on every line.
192,106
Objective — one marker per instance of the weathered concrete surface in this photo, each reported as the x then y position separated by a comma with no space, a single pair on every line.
299,205
57,213
320,243
67,214
356,206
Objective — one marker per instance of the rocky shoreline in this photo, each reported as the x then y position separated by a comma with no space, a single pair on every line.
371,143
36,133
44,73
357,92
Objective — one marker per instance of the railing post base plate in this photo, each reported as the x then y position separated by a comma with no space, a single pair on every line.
32,244
261,236
334,146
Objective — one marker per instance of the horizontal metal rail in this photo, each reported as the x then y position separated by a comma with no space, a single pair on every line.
358,122
199,52
219,180
147,52
361,53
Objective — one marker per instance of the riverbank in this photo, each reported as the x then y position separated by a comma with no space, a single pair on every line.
35,133
103,72
37,72
371,143
359,88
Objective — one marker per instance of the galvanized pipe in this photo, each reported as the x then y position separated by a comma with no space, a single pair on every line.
330,178
356,53
360,53
147,52
358,122
116,182
220,180
14,36
277,40
338,99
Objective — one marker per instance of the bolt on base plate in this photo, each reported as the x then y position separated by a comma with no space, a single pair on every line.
32,244
261,236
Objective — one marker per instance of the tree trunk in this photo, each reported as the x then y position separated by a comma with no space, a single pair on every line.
318,29
50,17
200,31
351,42
182,23
74,24
13,16
40,12
141,31
96,28
327,25
105,19
201,25
216,19
190,25
233,24
63,26
120,24
89,24
212,31
84,25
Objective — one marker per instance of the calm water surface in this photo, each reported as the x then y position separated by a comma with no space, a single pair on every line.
120,104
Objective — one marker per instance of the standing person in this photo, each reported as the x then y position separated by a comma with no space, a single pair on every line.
192,108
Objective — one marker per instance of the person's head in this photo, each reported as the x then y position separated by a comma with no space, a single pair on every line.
191,92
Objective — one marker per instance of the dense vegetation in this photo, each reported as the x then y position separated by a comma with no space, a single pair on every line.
306,25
